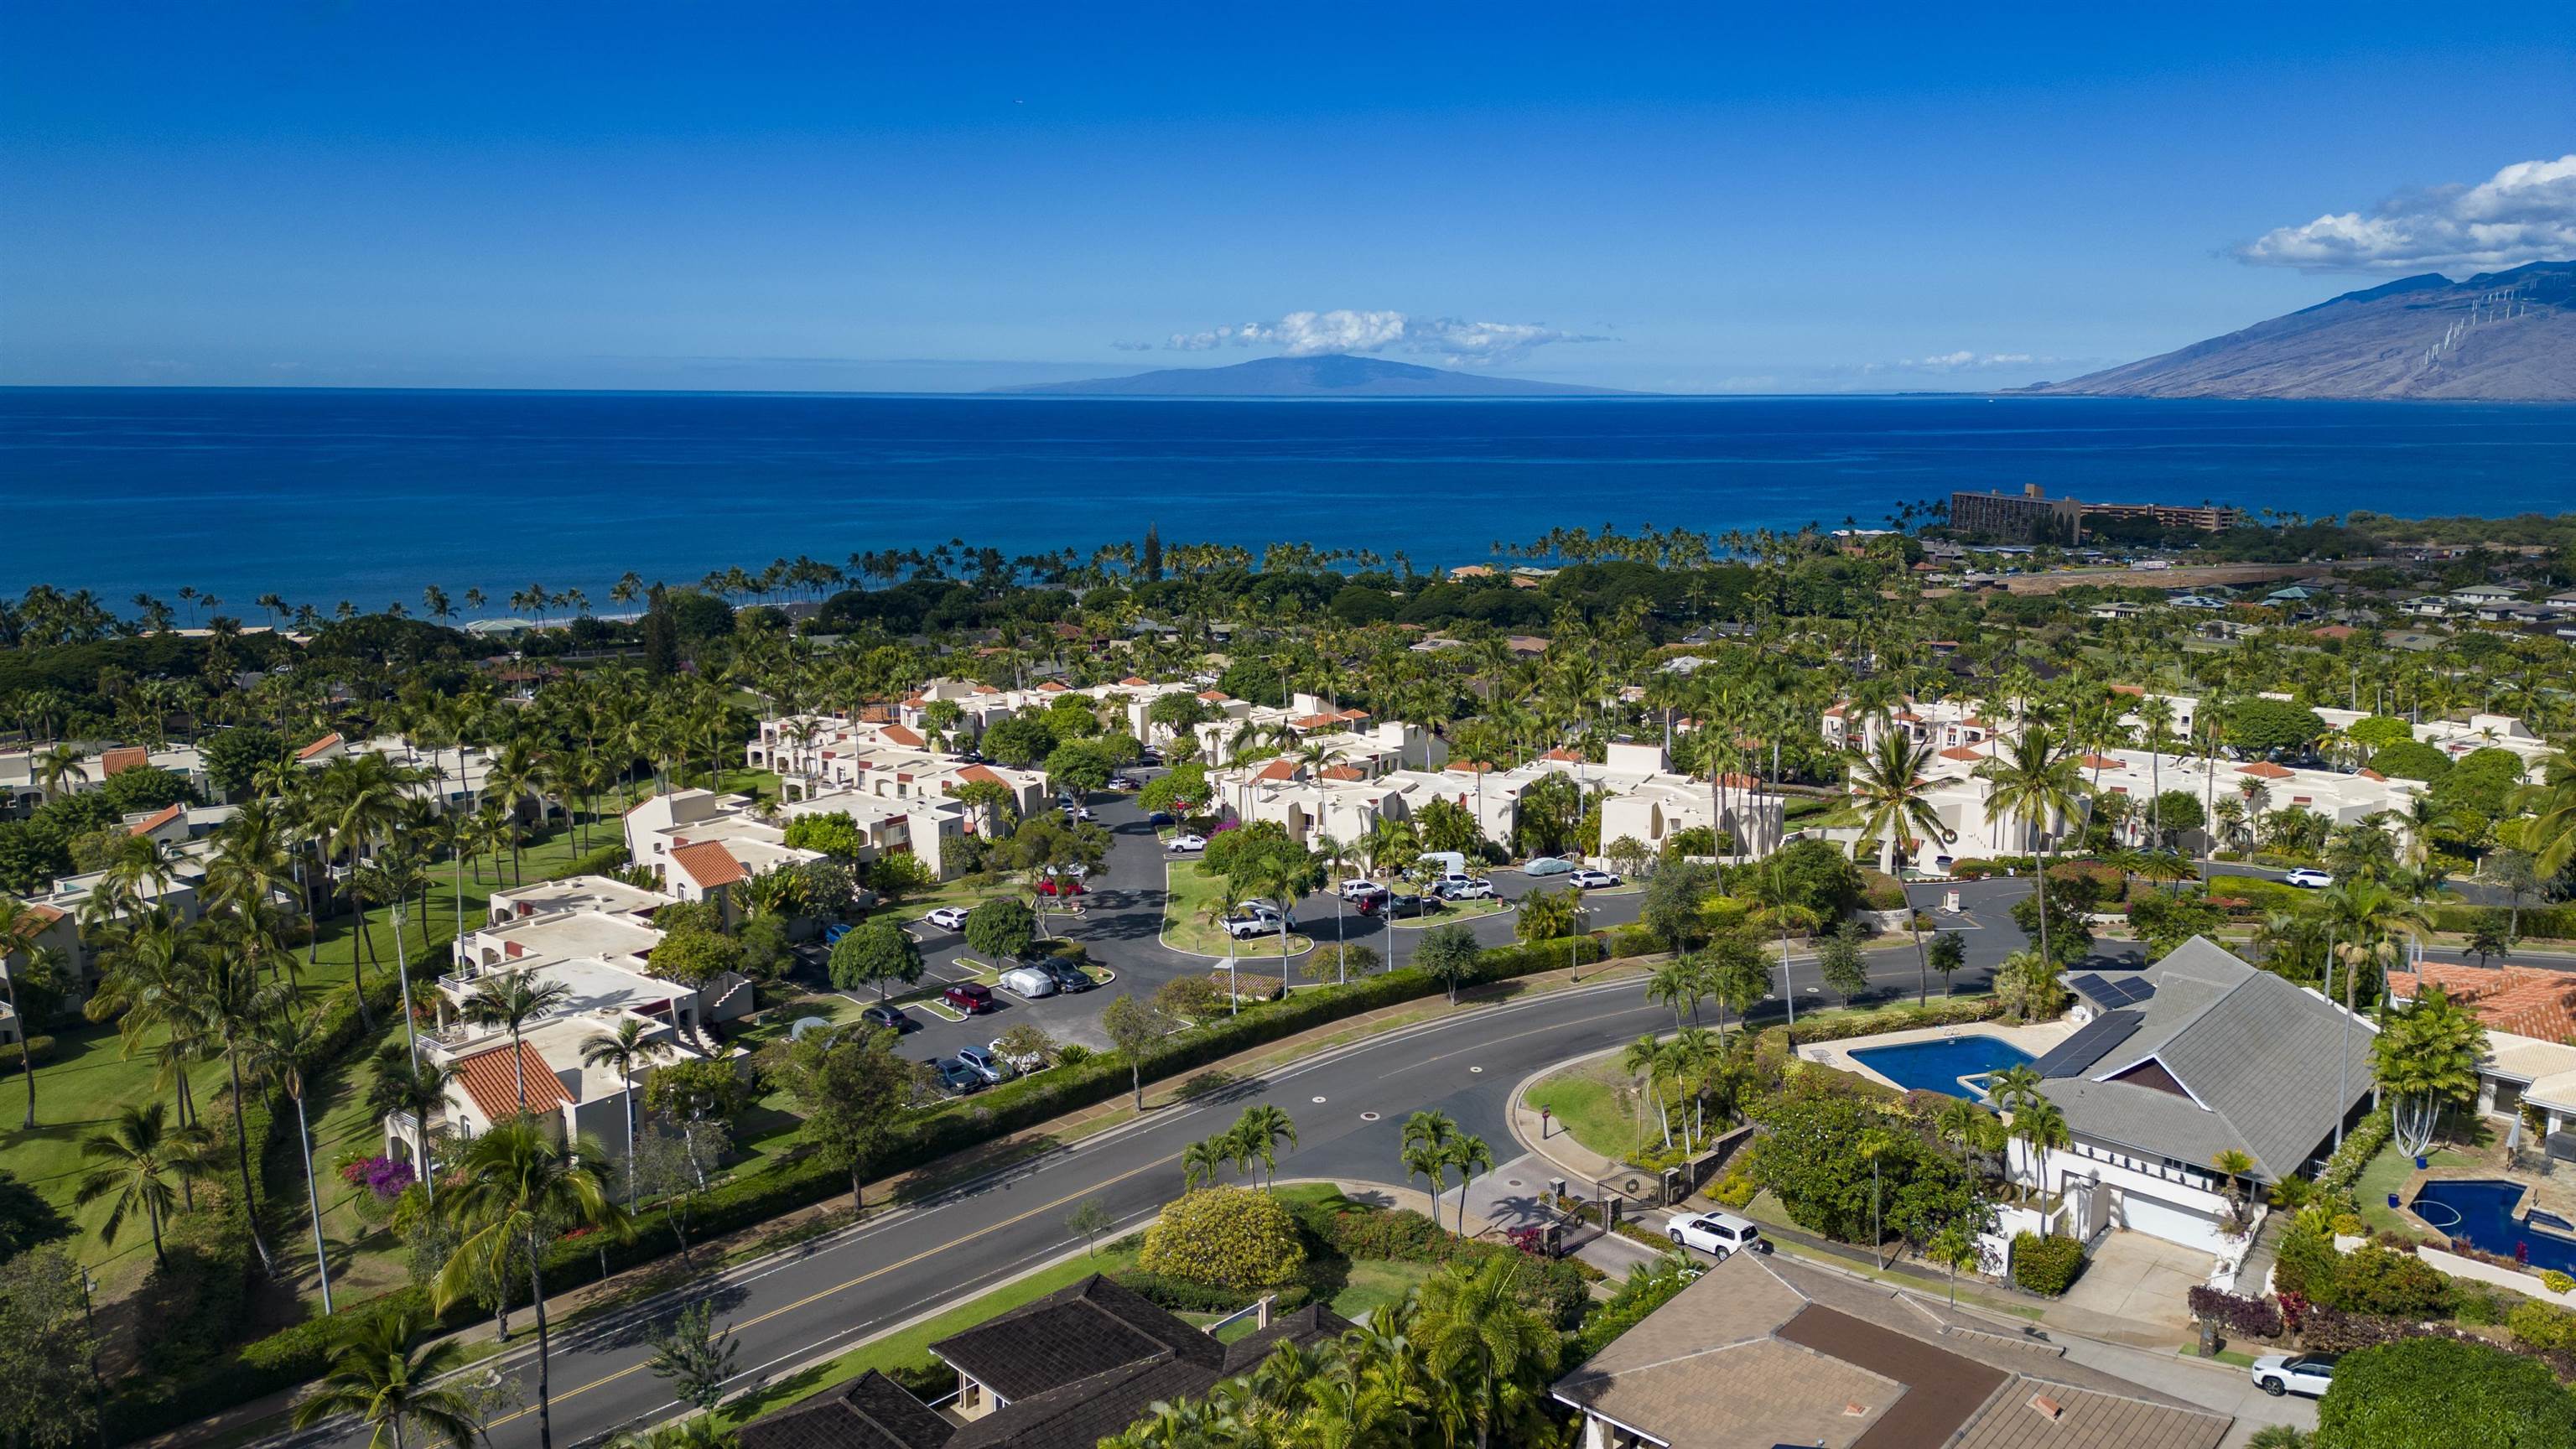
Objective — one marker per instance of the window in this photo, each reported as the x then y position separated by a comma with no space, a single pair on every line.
2508,1098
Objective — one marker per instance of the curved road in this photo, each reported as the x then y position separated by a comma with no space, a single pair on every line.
1349,1105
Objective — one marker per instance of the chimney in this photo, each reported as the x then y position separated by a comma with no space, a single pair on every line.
1855,1411
2048,1408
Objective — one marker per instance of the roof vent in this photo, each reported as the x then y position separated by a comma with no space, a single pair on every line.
1855,1411
2048,1408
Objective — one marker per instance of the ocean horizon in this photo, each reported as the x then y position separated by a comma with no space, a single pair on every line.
372,495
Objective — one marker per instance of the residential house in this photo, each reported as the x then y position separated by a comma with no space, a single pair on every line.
660,826
2189,1057
1766,1352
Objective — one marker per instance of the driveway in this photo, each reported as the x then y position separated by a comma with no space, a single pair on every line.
2133,1292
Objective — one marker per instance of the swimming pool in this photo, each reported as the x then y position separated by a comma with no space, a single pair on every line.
2479,1212
1937,1064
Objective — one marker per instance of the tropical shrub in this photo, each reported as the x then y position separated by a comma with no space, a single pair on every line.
2557,1282
2539,1325
2373,1279
2046,1265
1225,1237
2235,1315
2442,1391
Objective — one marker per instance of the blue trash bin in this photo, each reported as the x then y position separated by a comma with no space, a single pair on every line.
2392,1199
2420,1164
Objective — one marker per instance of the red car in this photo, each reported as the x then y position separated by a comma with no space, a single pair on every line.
969,998
1058,886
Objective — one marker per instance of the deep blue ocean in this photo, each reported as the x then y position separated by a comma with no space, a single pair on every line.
368,496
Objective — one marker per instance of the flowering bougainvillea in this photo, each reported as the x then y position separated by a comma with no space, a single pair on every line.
386,1177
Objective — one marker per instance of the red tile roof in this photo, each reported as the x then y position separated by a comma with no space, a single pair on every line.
1132,679
1052,686
981,773
130,757
2527,1003
146,827
318,746
1961,752
1214,696
1277,770
2101,762
2369,774
35,919
1355,714
490,1080
902,735
709,864
2129,689
1316,721
2264,770
1571,757
1345,772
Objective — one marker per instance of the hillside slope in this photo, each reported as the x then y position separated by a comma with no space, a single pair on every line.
1330,375
2501,336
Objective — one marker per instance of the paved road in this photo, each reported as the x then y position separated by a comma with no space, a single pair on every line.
2476,893
1348,1105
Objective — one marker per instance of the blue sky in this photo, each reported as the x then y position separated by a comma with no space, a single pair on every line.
340,192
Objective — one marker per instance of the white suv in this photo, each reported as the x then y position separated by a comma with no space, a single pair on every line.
1356,890
1717,1234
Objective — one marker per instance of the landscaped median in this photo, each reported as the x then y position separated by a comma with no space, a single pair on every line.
1190,896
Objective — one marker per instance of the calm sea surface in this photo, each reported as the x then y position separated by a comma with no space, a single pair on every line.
368,496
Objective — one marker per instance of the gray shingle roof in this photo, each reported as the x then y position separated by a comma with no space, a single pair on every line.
2258,1055
869,1412
1074,1333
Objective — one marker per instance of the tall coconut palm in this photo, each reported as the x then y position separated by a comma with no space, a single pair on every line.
1425,1143
275,1049
391,880
233,1001
1891,785
2038,783
378,1377
142,1159
510,1001
18,927
515,1189
622,1051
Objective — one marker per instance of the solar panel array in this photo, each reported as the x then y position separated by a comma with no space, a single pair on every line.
2073,1056
2113,990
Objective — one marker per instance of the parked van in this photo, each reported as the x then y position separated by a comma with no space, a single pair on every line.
1028,982
1437,863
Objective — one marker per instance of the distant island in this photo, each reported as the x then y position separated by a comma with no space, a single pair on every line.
2499,337
1331,375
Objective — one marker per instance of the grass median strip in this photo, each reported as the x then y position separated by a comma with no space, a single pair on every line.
1190,895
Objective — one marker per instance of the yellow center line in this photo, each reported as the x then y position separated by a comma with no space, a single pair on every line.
811,1298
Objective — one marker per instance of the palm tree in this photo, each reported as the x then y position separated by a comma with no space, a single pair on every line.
380,1379
1643,1059
1893,793
232,1001
17,932
1262,1128
515,1189
1470,1155
1477,1337
1201,1160
275,1049
2427,1061
391,880
622,1051
2037,782
2041,1126
143,1158
1678,983
1426,1140
511,1001
416,1087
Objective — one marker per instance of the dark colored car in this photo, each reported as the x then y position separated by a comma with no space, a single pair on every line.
955,1077
1161,817
1068,977
968,997
1398,905
880,1014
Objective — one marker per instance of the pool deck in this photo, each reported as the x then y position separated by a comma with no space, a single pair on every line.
2546,1195
2038,1039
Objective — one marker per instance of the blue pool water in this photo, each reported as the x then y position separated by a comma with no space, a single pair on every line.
2479,1213
1938,1064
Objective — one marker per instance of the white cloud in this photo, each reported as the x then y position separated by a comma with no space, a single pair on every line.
1309,334
2524,213
1963,360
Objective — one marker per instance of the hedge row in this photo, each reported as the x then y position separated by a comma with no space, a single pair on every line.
2360,1145
1955,1012
2544,923
294,1355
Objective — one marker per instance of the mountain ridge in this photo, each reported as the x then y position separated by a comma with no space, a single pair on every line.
1333,374
2507,336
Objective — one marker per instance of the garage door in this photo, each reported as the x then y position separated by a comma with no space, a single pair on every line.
2161,1219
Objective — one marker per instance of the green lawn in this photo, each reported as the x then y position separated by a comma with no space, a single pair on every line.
1189,893
91,1078
1455,911
1584,1100
2387,1173
1375,1282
